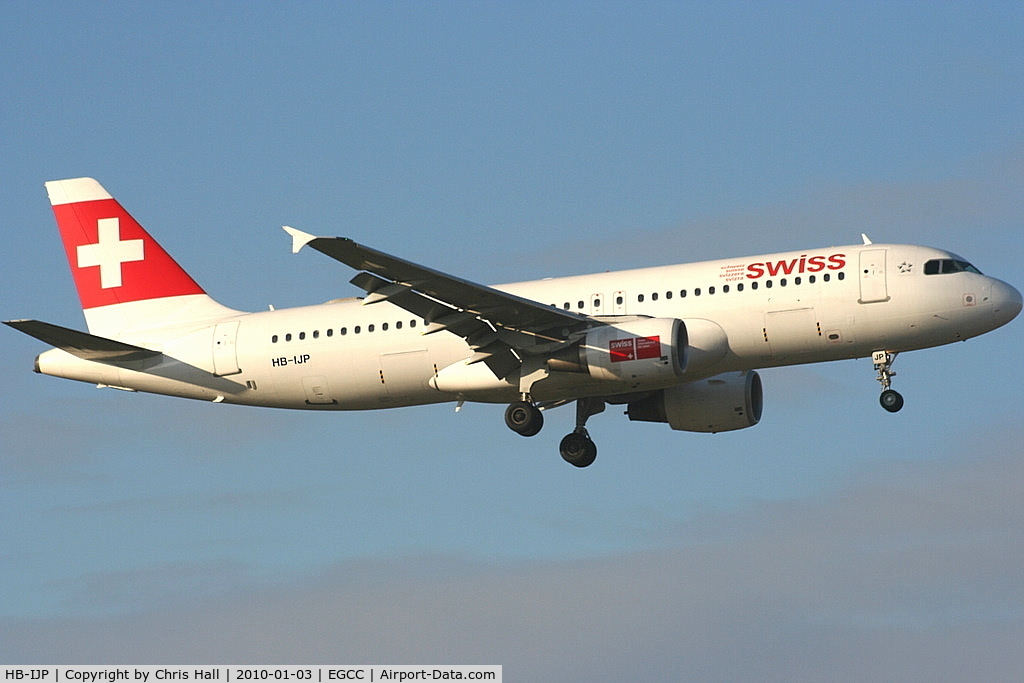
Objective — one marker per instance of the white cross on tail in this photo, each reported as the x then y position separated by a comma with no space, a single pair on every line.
110,252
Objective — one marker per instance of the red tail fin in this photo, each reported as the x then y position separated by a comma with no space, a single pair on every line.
115,262
112,258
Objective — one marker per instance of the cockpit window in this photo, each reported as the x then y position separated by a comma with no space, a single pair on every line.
948,265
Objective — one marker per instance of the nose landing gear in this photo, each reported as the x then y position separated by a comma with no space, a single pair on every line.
890,399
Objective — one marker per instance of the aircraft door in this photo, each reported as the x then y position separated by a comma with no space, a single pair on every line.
792,333
225,358
872,276
405,374
619,303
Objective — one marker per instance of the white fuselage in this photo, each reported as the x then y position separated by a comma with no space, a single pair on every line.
779,309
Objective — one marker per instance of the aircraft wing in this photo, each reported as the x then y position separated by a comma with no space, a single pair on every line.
499,327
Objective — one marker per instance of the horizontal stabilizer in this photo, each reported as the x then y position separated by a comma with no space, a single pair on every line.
83,345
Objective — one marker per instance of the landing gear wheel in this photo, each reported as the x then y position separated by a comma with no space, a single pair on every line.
524,418
891,400
577,449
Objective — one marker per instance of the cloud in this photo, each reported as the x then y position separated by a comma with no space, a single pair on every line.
910,571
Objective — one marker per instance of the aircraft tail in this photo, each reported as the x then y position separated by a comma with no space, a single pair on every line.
125,280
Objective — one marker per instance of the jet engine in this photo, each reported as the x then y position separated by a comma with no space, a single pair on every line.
722,403
647,352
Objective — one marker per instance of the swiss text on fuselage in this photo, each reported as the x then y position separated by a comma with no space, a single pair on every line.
801,264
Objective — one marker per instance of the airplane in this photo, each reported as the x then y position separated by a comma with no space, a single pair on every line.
675,344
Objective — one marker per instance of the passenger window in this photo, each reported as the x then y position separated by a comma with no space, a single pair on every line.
288,337
654,297
369,328
711,290
316,334
640,298
696,291
739,287
398,325
682,293
356,329
344,331
725,289
302,335
753,285
768,284
384,327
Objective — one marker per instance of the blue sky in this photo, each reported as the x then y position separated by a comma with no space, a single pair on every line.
503,142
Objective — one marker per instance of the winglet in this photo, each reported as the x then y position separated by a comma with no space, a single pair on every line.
867,240
299,238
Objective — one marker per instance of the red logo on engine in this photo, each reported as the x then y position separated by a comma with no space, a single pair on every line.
634,348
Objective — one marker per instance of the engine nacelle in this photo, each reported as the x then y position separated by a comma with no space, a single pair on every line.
647,352
706,344
722,403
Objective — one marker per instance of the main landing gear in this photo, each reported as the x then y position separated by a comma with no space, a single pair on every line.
576,448
524,418
890,399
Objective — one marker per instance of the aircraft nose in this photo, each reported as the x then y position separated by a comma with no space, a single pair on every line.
1006,302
